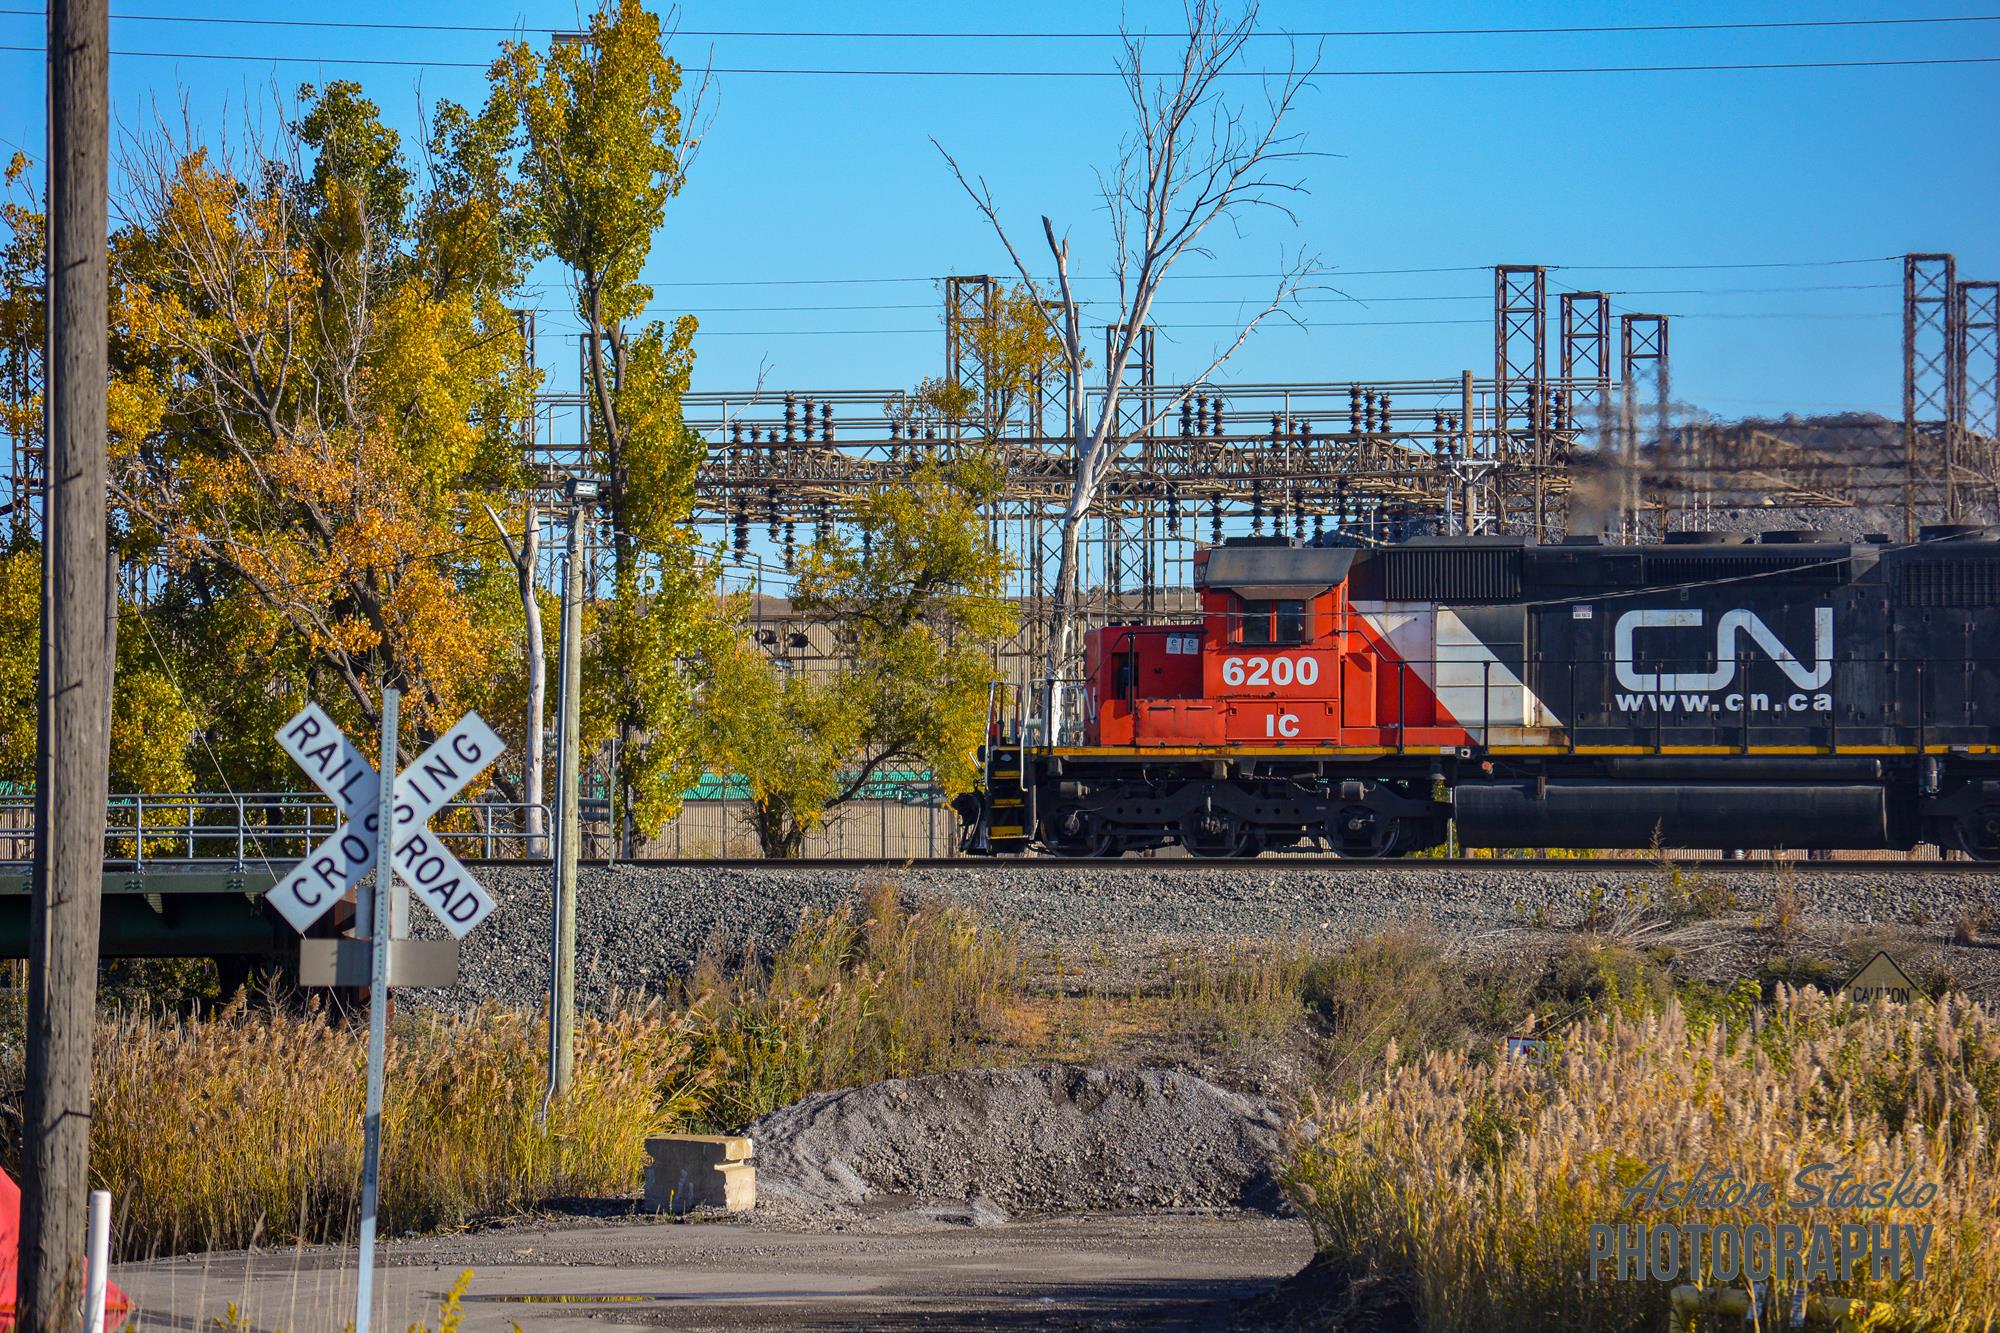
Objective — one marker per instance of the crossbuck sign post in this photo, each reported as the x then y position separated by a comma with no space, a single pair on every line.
403,803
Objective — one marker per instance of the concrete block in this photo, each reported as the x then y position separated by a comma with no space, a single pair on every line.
690,1171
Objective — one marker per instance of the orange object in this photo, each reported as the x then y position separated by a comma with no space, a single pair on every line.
117,1306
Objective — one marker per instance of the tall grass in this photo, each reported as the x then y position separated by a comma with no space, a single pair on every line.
1251,996
245,1126
241,1124
1477,1179
862,993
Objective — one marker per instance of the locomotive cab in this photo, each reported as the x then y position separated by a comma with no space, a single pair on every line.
1263,665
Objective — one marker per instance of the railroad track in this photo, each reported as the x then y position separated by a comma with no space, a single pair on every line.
1335,864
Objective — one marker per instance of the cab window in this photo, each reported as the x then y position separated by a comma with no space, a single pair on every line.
1272,622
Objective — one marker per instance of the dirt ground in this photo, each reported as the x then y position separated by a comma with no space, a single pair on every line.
890,1269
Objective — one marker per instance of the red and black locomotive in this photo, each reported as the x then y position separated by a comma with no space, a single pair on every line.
1713,691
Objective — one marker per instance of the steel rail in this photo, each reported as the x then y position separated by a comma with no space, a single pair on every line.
1284,862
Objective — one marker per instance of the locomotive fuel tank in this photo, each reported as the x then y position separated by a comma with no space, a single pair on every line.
1615,812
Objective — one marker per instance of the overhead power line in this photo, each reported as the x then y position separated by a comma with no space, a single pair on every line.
1045,35
776,71
932,331
1343,300
1331,275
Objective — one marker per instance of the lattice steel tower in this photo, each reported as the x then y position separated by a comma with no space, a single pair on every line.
1520,372
1930,348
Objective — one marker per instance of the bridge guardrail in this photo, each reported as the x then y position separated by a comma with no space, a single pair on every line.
246,828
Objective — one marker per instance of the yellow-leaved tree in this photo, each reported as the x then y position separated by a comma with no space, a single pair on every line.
321,380
606,142
913,600
152,727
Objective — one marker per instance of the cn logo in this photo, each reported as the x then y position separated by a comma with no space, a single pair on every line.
1728,629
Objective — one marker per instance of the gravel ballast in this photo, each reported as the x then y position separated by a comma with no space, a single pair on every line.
642,926
1049,1138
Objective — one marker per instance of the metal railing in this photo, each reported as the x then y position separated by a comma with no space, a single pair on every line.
241,829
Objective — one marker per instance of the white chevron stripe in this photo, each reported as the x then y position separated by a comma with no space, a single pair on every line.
1468,680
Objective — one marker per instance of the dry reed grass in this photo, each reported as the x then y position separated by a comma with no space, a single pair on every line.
1476,1180
244,1126
241,1124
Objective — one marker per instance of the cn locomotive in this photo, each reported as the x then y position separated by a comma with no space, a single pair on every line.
1713,691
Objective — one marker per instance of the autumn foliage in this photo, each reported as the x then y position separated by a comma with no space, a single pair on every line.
320,383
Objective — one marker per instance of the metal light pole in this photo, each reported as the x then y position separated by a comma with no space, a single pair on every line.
382,903
582,495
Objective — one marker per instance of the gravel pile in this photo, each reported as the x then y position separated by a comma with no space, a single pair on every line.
641,926
1046,1139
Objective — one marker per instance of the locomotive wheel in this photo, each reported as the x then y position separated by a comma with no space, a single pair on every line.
1075,833
1979,833
1214,833
1358,832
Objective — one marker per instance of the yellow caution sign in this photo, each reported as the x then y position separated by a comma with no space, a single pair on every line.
1880,977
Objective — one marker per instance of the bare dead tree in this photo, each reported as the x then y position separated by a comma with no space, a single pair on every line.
1195,156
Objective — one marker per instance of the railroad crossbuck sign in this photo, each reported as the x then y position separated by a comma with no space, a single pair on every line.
417,855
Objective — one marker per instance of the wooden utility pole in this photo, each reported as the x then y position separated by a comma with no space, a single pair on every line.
74,689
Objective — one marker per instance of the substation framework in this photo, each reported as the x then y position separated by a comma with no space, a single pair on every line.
1573,429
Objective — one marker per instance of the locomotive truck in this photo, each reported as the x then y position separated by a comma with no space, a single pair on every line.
1716,691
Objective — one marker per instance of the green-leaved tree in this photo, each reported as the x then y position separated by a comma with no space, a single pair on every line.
913,600
606,143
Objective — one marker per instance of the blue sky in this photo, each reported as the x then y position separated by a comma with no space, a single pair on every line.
1632,182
